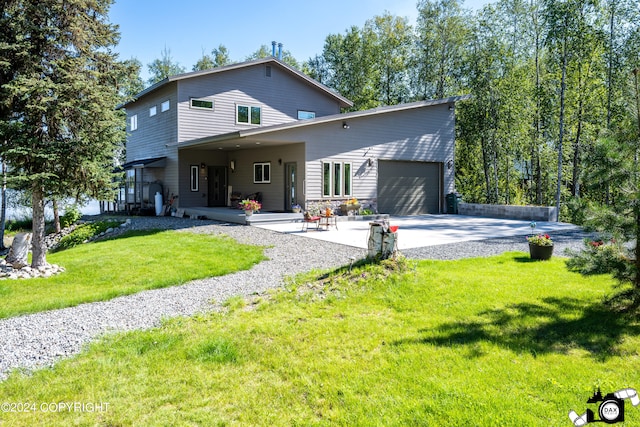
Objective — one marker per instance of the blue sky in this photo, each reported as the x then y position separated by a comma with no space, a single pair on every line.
189,27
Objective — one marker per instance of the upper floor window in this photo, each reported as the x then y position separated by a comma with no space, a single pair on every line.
165,106
133,125
152,111
203,104
306,115
248,114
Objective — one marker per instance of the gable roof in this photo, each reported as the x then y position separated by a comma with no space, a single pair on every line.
318,120
344,102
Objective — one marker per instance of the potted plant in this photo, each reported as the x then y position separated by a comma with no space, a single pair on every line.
296,208
350,205
540,246
249,206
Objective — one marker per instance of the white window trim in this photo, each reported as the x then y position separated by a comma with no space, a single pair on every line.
332,178
248,122
213,105
308,113
133,125
263,181
194,177
165,106
153,111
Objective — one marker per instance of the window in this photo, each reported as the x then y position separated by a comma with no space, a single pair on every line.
203,104
152,111
262,173
336,179
134,122
306,115
248,114
165,106
267,71
195,178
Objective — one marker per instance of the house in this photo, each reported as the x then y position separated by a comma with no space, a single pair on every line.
264,127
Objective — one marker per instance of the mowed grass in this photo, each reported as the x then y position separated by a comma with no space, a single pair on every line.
497,341
130,263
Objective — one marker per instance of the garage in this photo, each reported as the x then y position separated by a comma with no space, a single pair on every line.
409,188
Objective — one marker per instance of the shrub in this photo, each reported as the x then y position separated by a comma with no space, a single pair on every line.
84,232
71,216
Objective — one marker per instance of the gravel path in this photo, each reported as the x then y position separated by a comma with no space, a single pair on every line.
40,339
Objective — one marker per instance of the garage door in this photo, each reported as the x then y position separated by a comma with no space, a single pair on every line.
408,188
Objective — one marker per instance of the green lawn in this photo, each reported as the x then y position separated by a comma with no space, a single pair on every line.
497,341
133,262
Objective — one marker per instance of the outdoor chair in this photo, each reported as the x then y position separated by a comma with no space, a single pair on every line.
310,219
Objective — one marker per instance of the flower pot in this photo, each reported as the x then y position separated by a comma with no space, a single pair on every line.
248,212
540,252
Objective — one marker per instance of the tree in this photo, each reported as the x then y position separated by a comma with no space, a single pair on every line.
163,67
265,52
219,57
62,129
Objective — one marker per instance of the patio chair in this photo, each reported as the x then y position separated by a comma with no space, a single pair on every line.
310,219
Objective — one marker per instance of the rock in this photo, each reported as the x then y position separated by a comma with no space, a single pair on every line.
17,256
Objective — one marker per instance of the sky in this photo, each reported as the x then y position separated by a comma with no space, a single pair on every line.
190,27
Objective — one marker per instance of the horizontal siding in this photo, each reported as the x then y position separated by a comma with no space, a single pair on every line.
422,134
153,133
279,96
242,179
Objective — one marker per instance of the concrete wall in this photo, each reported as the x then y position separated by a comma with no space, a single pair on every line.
530,213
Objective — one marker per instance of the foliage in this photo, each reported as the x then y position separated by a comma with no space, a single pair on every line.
163,67
250,205
124,265
219,57
59,89
424,343
71,215
540,240
84,232
265,52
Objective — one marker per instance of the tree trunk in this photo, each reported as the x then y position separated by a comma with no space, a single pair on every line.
563,88
39,250
56,217
3,206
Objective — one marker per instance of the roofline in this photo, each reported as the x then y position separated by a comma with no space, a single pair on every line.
344,102
320,120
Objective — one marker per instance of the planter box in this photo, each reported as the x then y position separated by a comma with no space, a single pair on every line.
540,252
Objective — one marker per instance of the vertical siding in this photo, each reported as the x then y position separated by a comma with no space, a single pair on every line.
279,96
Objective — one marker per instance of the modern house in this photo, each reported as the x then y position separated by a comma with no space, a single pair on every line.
261,126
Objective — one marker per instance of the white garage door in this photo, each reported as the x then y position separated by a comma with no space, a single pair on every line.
409,188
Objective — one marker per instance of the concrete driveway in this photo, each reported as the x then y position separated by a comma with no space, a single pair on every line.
424,230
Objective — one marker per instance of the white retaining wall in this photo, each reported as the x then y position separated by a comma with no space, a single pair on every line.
532,213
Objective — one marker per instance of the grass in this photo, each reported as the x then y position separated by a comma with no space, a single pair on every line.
131,263
497,341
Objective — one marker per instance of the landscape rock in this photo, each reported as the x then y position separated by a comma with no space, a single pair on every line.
17,256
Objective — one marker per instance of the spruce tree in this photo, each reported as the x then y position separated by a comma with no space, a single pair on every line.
58,122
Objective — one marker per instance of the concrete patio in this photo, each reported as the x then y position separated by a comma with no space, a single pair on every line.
423,230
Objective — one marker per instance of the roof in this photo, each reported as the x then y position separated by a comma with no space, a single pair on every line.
155,162
320,120
344,102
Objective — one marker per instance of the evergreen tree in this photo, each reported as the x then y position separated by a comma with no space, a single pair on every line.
59,123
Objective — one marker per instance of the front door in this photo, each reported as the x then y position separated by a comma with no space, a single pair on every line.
217,186
290,181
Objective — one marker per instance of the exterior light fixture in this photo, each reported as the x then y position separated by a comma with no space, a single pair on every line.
449,164
202,166
232,165
345,125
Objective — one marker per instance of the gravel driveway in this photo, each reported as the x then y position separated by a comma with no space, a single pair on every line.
40,339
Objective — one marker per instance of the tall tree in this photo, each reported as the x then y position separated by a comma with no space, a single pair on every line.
265,52
219,57
63,128
163,67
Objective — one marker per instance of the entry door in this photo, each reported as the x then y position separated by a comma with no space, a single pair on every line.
217,186
290,181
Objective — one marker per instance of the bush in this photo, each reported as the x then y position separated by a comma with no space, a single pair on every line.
71,216
84,232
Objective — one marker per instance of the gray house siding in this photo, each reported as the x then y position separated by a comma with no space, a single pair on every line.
420,134
279,96
153,133
241,179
